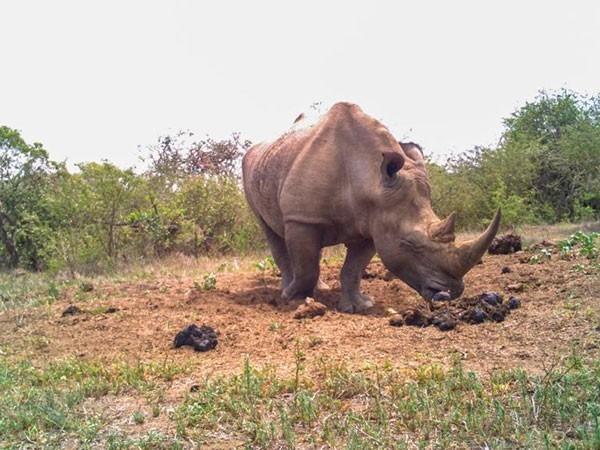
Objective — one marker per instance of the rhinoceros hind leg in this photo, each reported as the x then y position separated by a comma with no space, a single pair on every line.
304,249
280,255
357,258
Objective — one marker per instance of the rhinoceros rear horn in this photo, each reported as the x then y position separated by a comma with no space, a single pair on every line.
443,231
471,252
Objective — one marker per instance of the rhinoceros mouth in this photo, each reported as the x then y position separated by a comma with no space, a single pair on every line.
434,292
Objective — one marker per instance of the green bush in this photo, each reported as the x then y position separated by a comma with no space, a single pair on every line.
543,170
216,215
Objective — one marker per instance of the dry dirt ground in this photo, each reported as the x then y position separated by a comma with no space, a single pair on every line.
560,311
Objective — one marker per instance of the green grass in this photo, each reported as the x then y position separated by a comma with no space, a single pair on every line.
379,407
24,289
336,406
42,407
386,408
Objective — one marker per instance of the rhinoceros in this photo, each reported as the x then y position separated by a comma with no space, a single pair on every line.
347,180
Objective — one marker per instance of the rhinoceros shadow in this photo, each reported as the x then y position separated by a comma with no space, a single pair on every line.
266,292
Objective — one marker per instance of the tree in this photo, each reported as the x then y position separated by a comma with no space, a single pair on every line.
544,168
559,135
111,195
175,158
25,225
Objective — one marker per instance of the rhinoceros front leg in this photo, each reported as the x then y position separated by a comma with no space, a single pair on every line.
357,258
303,244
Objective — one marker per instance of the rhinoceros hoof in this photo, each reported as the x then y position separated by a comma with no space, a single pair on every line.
322,286
355,304
289,294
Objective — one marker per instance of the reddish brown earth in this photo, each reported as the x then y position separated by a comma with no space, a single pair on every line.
560,311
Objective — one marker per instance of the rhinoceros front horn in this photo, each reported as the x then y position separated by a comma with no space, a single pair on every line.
471,251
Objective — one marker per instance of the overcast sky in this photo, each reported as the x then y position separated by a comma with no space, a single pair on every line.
94,80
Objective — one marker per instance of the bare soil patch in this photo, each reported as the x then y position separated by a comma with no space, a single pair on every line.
559,308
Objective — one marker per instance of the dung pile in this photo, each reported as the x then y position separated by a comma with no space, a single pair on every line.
71,310
488,306
201,338
503,245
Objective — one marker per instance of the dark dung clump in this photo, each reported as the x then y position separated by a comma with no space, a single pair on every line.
485,307
71,310
503,245
201,338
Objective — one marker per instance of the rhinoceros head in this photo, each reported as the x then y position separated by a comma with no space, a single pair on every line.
413,243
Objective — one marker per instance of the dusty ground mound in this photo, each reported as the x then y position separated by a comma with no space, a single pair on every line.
559,305
506,244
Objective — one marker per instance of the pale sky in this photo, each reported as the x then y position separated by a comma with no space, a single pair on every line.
94,80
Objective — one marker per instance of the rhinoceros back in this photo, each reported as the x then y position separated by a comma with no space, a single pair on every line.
265,167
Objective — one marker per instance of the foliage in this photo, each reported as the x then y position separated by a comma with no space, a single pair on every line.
267,264
209,282
25,219
543,170
189,200
586,242
174,158
216,217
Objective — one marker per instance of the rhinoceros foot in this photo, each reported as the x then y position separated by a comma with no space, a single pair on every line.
322,286
355,303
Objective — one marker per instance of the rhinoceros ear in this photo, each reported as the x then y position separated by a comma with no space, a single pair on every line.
392,163
412,150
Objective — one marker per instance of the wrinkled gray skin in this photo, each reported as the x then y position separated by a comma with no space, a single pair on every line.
347,180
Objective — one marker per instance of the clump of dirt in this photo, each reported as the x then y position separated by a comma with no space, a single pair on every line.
543,244
111,310
369,275
201,338
309,309
71,310
515,287
416,317
506,269
488,306
396,320
377,271
506,244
